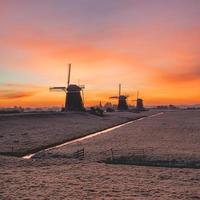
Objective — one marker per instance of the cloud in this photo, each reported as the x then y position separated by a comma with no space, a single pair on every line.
4,94
142,45
177,76
16,91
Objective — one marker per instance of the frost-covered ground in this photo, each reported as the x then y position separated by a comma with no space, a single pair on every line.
173,133
63,179
23,133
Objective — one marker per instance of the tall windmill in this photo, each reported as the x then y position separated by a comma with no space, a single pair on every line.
122,102
73,99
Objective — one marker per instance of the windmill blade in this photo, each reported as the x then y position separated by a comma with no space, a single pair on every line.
137,94
58,89
82,87
83,96
69,75
120,87
114,97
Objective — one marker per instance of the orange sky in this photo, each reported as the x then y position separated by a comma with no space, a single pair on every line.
150,47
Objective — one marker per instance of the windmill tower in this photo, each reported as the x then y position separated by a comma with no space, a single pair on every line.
122,102
139,102
73,99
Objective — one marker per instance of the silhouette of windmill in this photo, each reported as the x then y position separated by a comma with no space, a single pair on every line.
139,103
122,102
73,99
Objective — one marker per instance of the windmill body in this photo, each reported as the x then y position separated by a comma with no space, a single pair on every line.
122,100
139,103
73,99
122,104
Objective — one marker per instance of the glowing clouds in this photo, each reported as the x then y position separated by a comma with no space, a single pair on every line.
148,46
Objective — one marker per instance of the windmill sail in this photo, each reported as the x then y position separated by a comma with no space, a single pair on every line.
137,94
114,97
69,75
120,89
58,89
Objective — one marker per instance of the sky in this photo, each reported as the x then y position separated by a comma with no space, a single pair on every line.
148,45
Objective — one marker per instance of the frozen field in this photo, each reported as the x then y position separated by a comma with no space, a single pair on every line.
23,133
175,134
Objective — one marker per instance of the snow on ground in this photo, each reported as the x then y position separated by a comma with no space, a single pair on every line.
176,133
173,134
25,132
58,179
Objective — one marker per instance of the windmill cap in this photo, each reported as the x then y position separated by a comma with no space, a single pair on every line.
73,87
122,97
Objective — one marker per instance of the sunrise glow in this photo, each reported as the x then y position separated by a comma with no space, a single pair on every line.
150,46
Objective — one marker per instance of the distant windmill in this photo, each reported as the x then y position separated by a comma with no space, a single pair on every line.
73,100
139,102
122,102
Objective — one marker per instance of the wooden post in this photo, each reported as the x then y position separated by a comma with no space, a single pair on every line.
112,154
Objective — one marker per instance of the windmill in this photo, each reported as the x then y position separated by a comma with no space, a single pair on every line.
139,102
73,99
122,103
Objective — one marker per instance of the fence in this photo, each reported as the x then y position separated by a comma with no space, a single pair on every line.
80,154
131,152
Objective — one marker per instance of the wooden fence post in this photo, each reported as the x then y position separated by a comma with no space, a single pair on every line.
112,154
